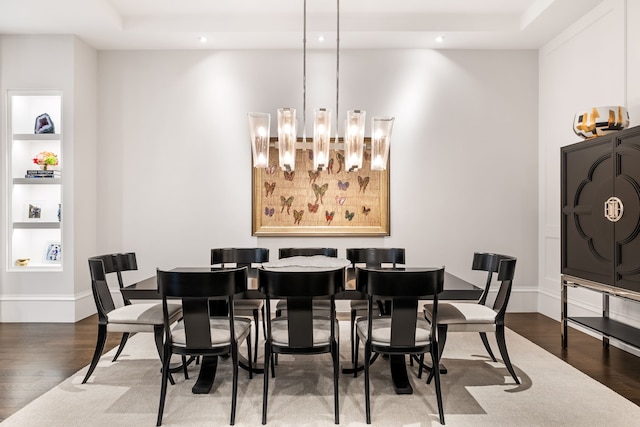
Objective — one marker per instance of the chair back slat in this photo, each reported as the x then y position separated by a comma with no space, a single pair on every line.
488,262
195,312
506,272
403,322
283,284
100,288
375,257
242,257
300,322
291,252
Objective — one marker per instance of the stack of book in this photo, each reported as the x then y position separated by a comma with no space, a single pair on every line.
37,173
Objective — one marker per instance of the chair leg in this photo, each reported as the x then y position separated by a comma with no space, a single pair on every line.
102,338
163,388
265,390
502,345
353,329
367,397
255,321
234,392
123,341
442,340
184,368
485,341
435,360
336,374
355,361
421,365
158,334
249,360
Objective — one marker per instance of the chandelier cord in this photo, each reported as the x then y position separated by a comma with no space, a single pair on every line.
337,67
304,76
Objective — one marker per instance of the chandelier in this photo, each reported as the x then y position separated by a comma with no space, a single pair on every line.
354,128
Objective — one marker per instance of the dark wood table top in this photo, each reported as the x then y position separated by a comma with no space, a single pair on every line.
455,288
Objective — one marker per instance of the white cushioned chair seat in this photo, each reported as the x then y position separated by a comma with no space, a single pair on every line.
219,331
140,317
321,331
314,262
464,317
381,331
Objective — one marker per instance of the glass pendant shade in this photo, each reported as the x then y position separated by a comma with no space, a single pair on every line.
381,128
321,137
259,128
287,138
354,139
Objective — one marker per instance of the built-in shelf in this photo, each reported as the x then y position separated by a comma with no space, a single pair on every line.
36,225
36,136
37,181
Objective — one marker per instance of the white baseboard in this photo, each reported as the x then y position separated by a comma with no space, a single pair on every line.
46,308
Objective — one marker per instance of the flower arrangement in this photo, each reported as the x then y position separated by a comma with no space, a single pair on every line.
46,158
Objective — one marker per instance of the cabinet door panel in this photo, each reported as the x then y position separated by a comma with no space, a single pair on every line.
627,229
587,236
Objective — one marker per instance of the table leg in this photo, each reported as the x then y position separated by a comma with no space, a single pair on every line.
399,374
206,376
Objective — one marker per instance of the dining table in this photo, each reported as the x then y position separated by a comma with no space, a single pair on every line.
455,288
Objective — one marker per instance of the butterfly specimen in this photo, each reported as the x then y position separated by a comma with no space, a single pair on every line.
286,203
269,188
340,200
330,166
313,208
289,175
343,185
349,215
297,216
319,191
340,161
313,175
269,211
329,216
363,182
366,210
270,170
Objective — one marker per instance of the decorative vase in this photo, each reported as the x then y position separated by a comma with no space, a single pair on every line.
599,121
43,167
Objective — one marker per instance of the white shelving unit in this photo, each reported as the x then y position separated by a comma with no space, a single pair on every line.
34,228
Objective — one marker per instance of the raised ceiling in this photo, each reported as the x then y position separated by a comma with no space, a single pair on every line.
277,24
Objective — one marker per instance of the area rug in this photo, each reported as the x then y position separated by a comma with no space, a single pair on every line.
476,392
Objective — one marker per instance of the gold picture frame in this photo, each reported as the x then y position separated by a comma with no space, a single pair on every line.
333,202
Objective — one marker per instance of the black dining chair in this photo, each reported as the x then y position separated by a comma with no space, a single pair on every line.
291,252
199,333
478,317
244,257
401,332
302,330
119,263
130,318
371,258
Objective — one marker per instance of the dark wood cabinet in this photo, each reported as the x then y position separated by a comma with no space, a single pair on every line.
600,227
601,209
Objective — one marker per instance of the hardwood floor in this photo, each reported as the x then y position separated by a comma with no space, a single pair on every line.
35,357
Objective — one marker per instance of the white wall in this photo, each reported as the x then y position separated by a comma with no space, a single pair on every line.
594,62
175,174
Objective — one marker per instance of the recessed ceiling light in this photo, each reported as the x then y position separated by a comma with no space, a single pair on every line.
320,38
202,39
440,39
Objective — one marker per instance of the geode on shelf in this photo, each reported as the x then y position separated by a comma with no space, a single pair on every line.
44,124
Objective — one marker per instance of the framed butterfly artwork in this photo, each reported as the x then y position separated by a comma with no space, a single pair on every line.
330,202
